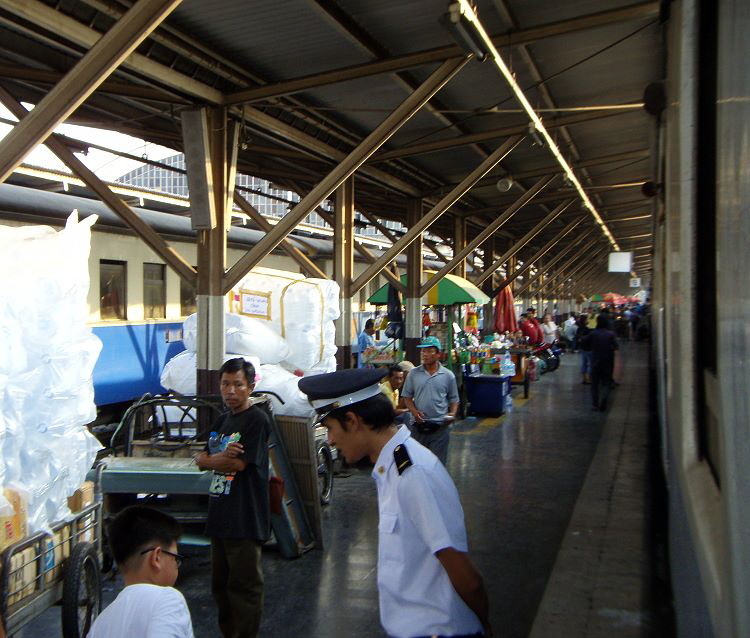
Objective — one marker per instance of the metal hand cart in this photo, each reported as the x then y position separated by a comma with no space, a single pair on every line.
62,568
151,464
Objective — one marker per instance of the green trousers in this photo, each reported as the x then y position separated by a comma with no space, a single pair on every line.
237,585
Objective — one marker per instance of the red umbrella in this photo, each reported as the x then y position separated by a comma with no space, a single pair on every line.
505,312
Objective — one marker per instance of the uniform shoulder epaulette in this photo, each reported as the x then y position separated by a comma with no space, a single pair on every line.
402,458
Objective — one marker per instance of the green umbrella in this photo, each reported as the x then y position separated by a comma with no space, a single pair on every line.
450,290
596,297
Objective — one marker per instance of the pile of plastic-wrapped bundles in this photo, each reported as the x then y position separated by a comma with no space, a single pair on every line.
280,321
47,357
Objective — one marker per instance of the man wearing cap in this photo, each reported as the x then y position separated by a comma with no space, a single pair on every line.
430,393
428,586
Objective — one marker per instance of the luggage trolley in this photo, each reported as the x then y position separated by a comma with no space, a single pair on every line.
58,568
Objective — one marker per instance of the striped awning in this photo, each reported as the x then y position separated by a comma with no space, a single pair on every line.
450,290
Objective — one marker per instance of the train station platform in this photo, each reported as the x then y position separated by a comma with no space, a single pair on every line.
557,504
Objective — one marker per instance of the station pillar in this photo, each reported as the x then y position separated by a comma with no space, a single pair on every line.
459,243
488,285
210,144
343,269
413,332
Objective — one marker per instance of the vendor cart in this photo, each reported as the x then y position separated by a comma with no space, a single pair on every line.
151,463
60,567
485,393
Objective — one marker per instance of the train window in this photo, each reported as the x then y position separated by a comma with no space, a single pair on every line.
187,298
706,307
154,291
112,290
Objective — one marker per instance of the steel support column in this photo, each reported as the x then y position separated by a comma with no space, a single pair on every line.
343,269
354,160
365,252
413,331
82,80
488,248
444,204
212,252
459,244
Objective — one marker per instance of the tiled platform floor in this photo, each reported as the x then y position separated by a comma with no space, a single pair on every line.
533,538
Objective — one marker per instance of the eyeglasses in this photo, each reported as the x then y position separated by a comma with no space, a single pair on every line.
178,558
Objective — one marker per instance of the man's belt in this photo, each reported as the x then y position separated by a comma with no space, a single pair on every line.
429,426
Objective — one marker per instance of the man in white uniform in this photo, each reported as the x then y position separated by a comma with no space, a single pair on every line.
144,545
427,583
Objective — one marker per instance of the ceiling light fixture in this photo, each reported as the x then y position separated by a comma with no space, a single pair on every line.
463,32
466,13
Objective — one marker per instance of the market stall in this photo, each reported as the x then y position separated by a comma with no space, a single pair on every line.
483,370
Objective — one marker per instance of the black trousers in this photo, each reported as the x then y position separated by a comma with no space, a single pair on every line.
601,384
237,585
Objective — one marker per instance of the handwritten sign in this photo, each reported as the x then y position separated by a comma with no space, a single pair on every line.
255,304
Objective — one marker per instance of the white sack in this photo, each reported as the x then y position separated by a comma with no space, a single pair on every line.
180,371
284,383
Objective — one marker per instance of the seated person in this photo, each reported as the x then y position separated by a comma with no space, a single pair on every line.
391,387
144,545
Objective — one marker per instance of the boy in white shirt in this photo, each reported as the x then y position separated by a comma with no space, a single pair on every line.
144,545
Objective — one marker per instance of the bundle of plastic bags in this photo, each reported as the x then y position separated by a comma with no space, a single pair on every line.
47,358
299,310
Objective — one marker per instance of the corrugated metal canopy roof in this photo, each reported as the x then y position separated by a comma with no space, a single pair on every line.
231,45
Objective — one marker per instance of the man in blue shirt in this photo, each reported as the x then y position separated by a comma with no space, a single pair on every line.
364,341
431,395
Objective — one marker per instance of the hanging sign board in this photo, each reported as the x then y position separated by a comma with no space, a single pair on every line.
635,282
620,262
255,304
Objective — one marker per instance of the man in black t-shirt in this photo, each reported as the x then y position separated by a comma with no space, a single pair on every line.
238,506
603,345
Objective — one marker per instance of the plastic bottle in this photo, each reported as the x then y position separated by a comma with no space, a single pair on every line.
214,443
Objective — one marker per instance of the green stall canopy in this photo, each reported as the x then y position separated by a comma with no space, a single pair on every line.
450,290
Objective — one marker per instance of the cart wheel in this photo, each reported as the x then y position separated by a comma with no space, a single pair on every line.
82,591
325,473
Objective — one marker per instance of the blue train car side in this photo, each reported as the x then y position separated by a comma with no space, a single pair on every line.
132,358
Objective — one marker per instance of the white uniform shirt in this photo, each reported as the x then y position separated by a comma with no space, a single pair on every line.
146,611
420,514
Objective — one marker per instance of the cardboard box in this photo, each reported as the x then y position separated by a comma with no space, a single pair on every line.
23,572
57,550
15,527
82,497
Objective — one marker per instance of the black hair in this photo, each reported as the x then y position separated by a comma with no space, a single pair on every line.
370,323
602,321
235,365
393,369
377,412
137,527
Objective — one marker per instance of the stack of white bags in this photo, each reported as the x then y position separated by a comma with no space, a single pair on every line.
280,321
47,357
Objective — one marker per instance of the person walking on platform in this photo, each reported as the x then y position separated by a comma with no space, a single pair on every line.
239,516
427,584
582,337
603,344
431,396
364,341
570,328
